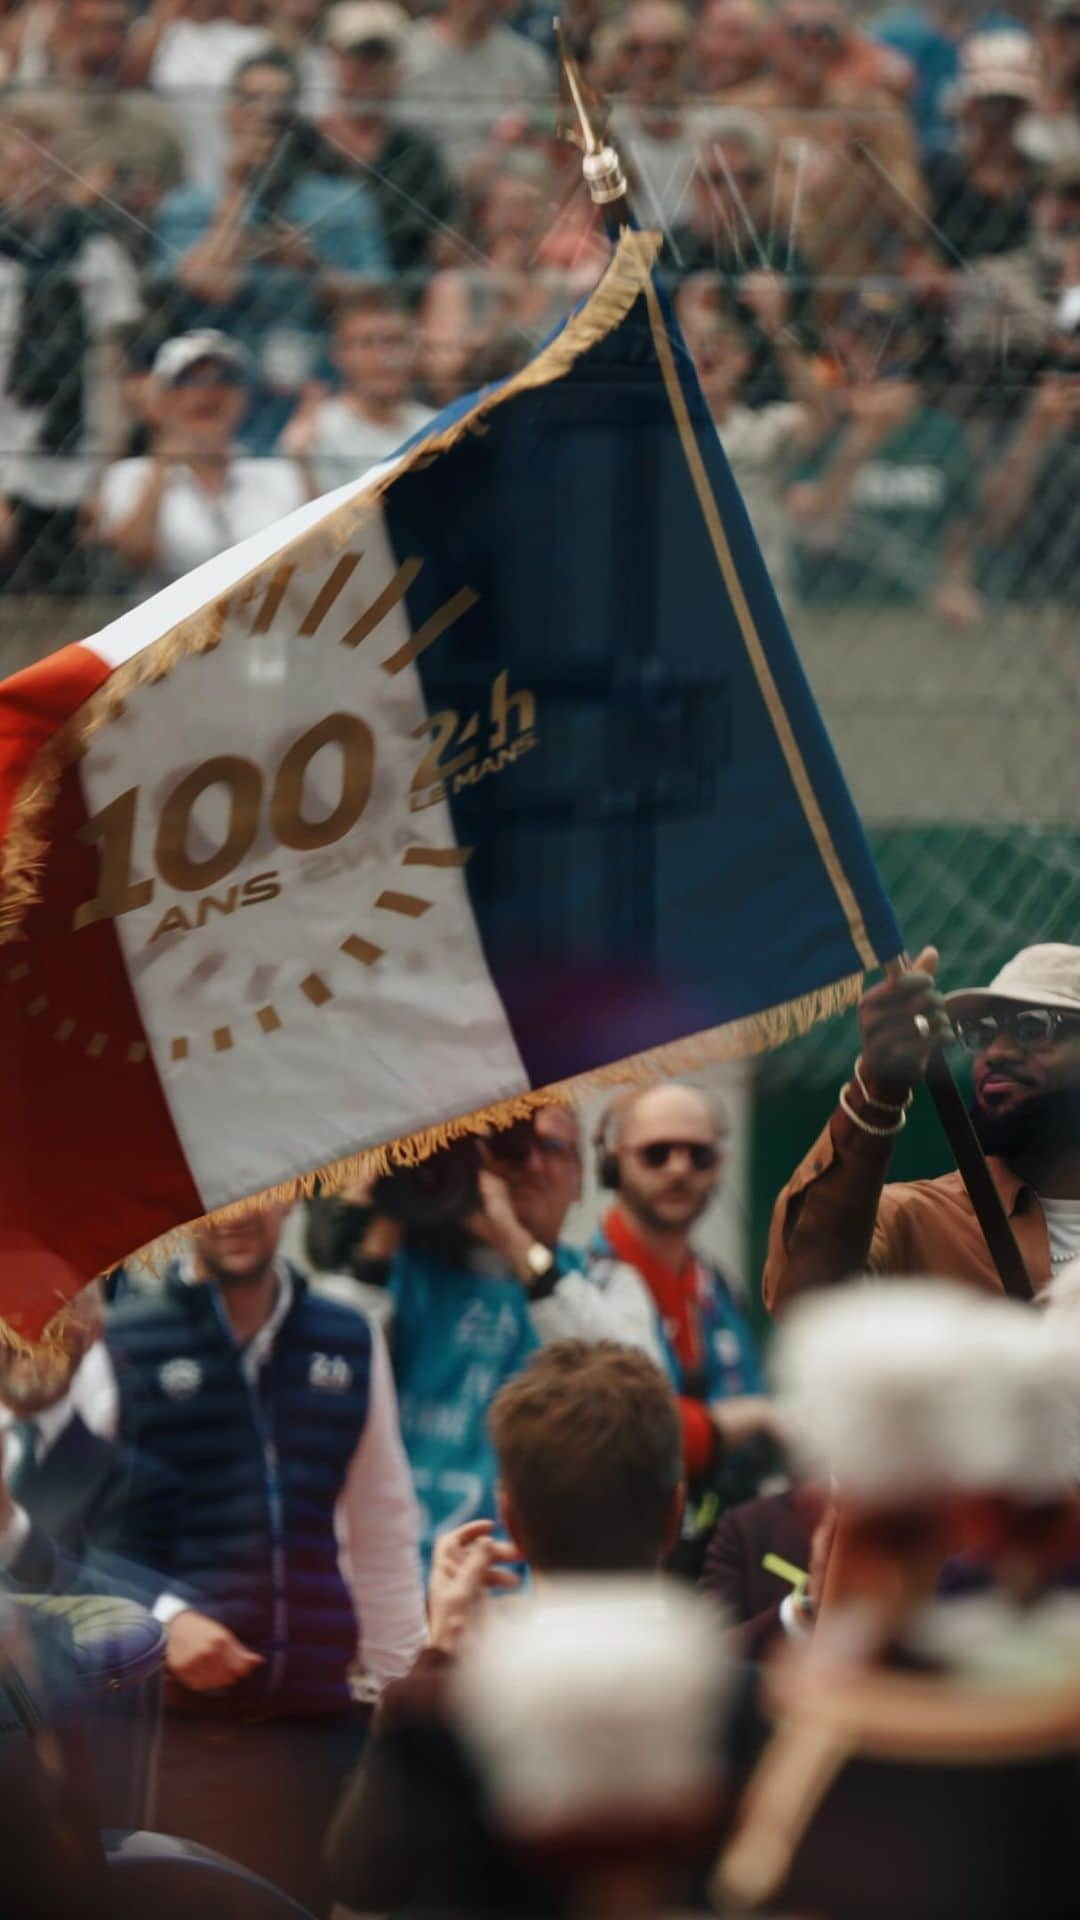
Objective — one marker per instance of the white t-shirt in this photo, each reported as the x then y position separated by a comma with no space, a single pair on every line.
193,525
193,69
109,287
1063,1227
346,445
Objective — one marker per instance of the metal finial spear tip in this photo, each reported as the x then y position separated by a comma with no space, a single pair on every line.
601,165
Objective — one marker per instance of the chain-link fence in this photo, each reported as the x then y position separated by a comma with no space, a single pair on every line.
879,281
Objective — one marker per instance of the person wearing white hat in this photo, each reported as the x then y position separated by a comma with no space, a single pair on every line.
194,496
980,194
364,134
836,1216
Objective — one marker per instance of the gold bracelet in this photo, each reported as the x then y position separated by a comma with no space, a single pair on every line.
878,1133
887,1106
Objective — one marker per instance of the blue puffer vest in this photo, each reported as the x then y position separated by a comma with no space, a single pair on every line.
263,1468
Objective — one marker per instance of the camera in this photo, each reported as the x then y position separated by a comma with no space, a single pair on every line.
441,1192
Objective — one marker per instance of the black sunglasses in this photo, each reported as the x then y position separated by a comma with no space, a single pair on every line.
1030,1028
657,1153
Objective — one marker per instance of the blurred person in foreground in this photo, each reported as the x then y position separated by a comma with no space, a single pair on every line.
846,172
980,195
65,283
77,1510
837,1216
481,1278
763,443
364,133
589,1459
463,66
881,513
194,495
336,437
660,1153
256,261
275,1408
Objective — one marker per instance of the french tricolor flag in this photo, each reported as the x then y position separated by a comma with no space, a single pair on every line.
491,771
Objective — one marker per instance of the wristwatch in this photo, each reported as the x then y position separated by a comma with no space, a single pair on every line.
540,1261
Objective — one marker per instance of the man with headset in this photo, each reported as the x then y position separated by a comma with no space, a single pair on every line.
660,1151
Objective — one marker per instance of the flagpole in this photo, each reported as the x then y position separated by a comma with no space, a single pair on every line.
604,177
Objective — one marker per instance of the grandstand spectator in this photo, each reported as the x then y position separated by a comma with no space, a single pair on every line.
296,28
846,168
729,45
763,443
463,67
1008,311
655,130
79,74
64,284
1052,131
337,437
738,231
882,511
400,166
188,51
1032,492
249,263
478,323
980,195
193,495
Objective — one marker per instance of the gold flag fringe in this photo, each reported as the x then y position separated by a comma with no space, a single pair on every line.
739,1040
26,843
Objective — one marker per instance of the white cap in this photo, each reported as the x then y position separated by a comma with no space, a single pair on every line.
594,1701
1045,976
1000,64
902,1389
185,350
878,1385
353,22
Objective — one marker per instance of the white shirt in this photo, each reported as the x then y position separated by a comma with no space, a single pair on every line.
1063,1227
193,69
194,525
376,1518
611,1302
346,444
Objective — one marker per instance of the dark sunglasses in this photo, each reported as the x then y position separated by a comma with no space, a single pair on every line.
1032,1029
657,1153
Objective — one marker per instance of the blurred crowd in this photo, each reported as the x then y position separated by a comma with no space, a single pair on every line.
246,250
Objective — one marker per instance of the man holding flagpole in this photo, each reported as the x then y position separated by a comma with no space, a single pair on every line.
836,1216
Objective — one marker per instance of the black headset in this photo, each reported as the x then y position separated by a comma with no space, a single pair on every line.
607,1160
